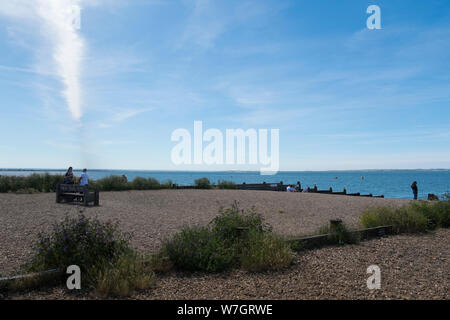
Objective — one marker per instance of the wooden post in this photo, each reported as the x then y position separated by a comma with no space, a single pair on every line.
97,198
58,200
85,196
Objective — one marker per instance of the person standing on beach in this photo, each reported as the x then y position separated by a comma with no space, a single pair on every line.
84,179
415,189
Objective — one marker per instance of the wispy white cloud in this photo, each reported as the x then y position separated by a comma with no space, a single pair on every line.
60,39
27,70
68,47
209,19
122,115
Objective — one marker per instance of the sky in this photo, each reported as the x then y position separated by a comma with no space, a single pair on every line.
110,93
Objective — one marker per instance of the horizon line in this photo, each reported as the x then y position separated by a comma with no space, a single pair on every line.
236,171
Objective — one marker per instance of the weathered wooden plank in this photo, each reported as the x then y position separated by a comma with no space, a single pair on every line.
322,239
22,276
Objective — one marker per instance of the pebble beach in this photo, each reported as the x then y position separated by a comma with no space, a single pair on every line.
416,266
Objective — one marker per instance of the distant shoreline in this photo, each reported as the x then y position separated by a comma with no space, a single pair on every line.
219,171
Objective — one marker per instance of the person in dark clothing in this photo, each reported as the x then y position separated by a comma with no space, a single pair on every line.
298,187
415,189
68,177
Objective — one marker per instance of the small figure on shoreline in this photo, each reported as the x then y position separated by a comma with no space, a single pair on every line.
291,188
432,197
415,189
298,187
68,177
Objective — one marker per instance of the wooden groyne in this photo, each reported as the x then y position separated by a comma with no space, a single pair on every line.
282,187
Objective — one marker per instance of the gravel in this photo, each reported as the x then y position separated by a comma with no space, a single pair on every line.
412,267
153,215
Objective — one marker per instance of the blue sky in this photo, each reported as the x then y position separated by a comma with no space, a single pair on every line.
343,96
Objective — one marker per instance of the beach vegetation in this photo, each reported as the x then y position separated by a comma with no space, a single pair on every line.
111,183
265,251
403,220
339,235
38,182
235,238
108,263
140,183
436,212
223,184
417,216
199,249
203,183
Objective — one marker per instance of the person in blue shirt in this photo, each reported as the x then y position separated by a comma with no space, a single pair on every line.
84,179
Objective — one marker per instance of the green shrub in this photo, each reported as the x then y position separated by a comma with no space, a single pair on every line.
140,183
108,264
168,184
226,223
111,183
120,278
430,211
198,248
222,184
160,262
437,212
221,246
443,207
265,251
403,220
81,241
39,182
340,235
203,183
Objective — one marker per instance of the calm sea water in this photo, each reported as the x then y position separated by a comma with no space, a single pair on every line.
390,183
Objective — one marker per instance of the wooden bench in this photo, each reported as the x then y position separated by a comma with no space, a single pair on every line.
72,193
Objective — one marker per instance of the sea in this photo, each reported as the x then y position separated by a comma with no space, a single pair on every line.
390,183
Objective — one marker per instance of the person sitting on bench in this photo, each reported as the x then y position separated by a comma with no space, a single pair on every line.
68,177
84,179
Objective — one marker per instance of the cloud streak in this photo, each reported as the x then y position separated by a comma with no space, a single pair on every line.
68,47
55,19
